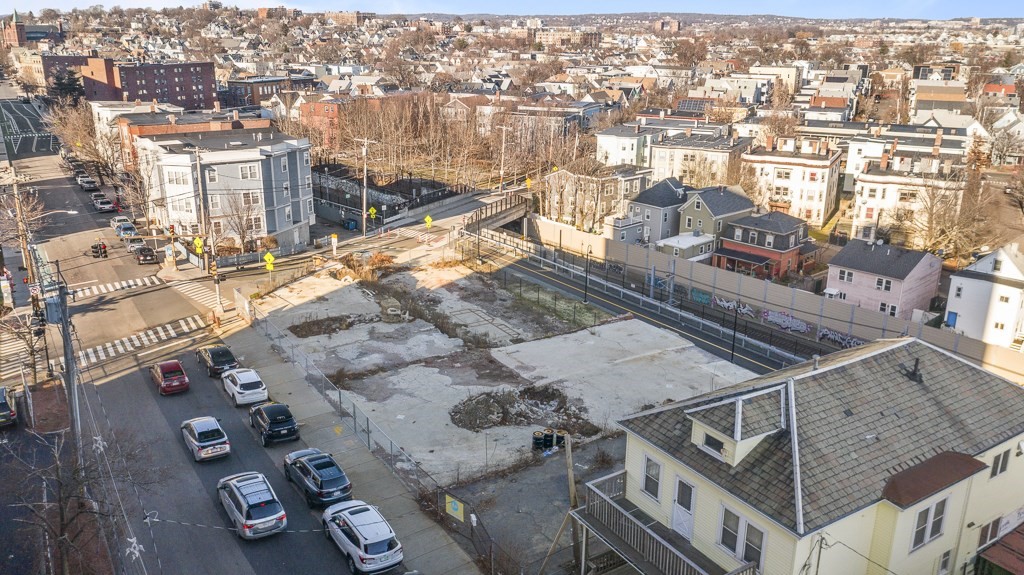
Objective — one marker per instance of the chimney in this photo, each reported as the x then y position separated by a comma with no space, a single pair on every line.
216,106
138,102
689,132
884,162
769,143
895,143
152,108
938,142
638,128
155,102
235,115
643,120
172,119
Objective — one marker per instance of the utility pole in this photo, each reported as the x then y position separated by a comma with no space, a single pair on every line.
70,368
203,213
366,144
501,170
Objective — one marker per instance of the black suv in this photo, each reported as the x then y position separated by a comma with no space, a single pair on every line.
8,416
318,476
216,358
274,422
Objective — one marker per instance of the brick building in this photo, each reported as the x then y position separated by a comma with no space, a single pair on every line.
324,117
190,85
12,32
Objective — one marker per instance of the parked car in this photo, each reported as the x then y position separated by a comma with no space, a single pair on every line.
363,535
89,185
318,476
97,196
205,438
104,206
274,422
126,230
118,220
251,504
8,415
169,376
145,255
133,243
81,175
216,358
244,386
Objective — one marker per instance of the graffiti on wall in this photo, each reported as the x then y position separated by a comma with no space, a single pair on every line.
841,339
733,305
700,296
783,320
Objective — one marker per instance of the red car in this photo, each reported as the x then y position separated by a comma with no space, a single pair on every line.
169,377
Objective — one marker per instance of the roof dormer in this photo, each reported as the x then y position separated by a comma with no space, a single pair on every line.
730,429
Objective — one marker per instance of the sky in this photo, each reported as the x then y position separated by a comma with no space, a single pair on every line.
915,9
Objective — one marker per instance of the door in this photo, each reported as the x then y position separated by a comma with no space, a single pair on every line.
682,509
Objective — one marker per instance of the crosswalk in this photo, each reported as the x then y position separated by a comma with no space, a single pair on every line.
132,343
15,356
116,286
198,293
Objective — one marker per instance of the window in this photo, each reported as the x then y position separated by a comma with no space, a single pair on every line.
718,225
309,182
713,444
696,205
309,205
652,476
752,238
845,276
781,174
812,176
959,291
647,214
738,234
214,202
305,158
622,236
176,177
664,217
872,192
675,252
944,562
929,524
249,172
1004,299
997,265
883,284
1000,462
886,308
250,198
769,240
792,241
254,224
742,539
700,224
989,532
284,164
181,205
689,222
218,228
211,175
1000,325
869,213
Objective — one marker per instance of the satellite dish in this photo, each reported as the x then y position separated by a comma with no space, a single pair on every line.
880,242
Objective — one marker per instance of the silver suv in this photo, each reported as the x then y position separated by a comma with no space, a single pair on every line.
362,534
251,504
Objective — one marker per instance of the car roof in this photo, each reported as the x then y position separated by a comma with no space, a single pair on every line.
204,423
245,375
276,410
369,522
171,363
144,249
324,465
255,489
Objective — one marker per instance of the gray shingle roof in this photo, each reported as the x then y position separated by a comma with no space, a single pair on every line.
721,200
664,194
886,261
861,420
774,222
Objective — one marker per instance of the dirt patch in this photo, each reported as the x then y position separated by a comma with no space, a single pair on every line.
49,406
481,365
323,326
535,405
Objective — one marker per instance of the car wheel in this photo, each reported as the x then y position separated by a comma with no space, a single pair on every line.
234,398
352,566
264,440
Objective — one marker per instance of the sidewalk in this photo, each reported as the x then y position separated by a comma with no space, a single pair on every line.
427,546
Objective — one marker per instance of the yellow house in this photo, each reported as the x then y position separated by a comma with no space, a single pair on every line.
895,457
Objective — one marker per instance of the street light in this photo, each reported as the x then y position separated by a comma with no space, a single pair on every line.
586,279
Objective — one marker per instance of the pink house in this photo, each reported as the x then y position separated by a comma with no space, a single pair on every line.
884,278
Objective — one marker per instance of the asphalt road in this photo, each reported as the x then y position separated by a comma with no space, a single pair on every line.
24,129
122,406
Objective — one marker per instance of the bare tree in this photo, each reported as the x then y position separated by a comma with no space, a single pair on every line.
73,124
723,110
242,209
1015,187
1004,144
753,187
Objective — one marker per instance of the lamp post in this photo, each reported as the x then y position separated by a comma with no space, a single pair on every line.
586,278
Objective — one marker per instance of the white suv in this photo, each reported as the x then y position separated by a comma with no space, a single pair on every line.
244,386
362,534
251,505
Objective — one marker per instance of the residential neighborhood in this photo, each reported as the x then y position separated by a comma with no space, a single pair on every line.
511,289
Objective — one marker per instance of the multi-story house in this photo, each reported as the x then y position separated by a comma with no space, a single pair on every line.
325,118
629,145
190,85
653,214
797,176
937,95
255,182
868,145
764,246
584,193
891,457
252,91
884,278
710,210
986,299
699,159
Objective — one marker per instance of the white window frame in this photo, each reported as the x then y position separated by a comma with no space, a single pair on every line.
930,533
709,449
284,164
696,205
305,158
769,240
657,480
249,172
218,227
752,238
883,284
214,201
999,325
211,175
989,532
945,561
718,225
254,224
177,177
689,223
738,235
959,291
647,214
309,205
999,464
741,536
675,252
251,198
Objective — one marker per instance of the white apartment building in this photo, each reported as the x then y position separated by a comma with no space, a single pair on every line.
797,176
986,299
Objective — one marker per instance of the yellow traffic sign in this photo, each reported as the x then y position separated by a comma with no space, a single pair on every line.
373,212
198,243
269,258
270,267
334,236
529,183
428,220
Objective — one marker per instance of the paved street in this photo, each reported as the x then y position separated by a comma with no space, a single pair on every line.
24,129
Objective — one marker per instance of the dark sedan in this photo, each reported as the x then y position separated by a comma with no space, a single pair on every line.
217,359
145,255
318,476
274,422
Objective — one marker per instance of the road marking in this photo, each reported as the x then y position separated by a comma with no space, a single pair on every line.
197,292
142,339
135,341
92,358
99,352
84,283
170,330
115,286
145,340
117,344
163,347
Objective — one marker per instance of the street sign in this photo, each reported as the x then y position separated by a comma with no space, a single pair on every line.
270,267
34,289
529,183
428,220
269,258
373,212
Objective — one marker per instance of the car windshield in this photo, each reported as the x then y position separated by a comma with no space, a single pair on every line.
251,385
173,372
263,510
221,355
210,435
381,546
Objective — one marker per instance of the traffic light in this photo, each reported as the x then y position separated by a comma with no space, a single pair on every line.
103,250
171,227
213,269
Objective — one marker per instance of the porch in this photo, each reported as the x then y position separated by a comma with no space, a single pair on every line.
744,263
